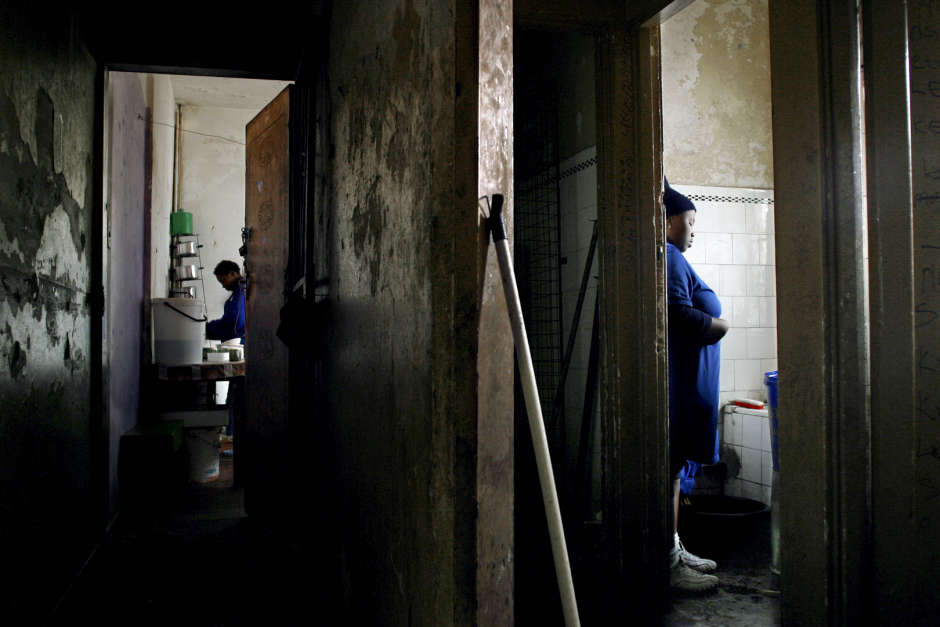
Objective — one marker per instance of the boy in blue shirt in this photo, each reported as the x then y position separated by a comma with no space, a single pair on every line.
232,323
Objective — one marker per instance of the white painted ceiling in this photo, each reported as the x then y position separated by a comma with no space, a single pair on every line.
225,93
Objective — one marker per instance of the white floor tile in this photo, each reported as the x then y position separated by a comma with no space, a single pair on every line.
752,426
746,312
734,429
719,250
747,374
750,465
731,217
734,344
760,343
733,280
726,376
768,311
766,469
760,281
751,490
760,218
746,249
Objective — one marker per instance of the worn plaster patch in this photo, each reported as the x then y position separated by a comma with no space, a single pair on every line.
71,127
716,95
57,258
41,342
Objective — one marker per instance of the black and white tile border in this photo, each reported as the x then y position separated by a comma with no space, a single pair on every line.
752,199
584,165
587,163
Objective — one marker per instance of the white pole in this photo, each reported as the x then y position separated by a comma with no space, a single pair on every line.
534,409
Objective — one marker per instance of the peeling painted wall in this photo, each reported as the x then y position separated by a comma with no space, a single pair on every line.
47,89
716,95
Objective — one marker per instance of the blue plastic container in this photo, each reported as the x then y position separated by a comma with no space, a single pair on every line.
770,382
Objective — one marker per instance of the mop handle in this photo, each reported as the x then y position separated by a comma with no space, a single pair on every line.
534,409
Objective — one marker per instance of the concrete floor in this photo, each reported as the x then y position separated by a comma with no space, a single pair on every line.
742,550
191,556
741,547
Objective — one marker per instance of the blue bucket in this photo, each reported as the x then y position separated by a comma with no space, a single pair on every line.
770,382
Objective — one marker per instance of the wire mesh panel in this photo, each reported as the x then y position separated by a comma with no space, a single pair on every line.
537,243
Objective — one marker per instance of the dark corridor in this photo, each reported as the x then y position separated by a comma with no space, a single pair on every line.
190,556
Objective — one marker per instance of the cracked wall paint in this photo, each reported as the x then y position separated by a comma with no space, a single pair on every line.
716,95
47,87
57,258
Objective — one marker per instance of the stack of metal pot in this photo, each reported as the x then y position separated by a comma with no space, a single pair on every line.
184,255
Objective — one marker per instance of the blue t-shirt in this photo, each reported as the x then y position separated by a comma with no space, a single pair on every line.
693,365
232,323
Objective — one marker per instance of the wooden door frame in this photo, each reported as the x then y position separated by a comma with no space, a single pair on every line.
637,498
891,259
825,428
631,245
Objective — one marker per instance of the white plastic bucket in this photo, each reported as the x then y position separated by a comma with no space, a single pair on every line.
179,329
201,449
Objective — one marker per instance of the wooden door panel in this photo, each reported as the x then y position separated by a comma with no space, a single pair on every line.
266,214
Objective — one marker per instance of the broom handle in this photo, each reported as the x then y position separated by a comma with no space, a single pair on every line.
534,409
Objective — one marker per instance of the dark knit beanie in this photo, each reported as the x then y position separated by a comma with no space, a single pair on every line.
675,202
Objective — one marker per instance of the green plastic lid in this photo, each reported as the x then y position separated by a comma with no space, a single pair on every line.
181,223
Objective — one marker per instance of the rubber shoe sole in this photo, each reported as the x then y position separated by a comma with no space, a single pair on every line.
694,562
684,578
697,563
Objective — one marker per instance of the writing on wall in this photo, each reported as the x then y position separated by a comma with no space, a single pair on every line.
924,41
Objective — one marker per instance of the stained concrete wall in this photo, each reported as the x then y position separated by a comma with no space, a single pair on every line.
48,518
401,451
716,95
212,188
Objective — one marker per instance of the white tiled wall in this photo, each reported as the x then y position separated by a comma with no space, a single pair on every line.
746,437
733,252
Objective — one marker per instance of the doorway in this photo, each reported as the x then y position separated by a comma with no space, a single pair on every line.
175,144
555,263
558,157
718,151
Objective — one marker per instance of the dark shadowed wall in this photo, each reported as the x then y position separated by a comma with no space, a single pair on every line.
48,516
391,66
426,501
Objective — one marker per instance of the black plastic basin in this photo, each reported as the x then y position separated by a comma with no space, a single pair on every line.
724,506
719,526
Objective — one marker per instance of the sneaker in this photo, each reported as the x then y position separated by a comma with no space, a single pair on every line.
684,578
694,562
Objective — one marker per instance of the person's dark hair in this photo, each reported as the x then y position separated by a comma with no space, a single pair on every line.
225,267
675,202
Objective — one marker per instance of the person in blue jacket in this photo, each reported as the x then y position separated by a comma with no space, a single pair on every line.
232,323
695,329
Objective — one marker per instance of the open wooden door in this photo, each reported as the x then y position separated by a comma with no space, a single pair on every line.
263,448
